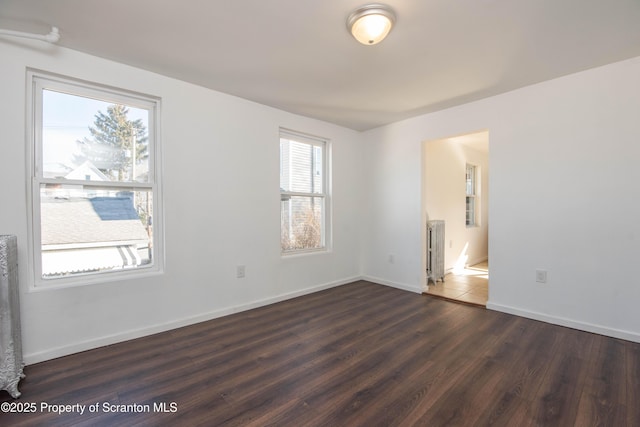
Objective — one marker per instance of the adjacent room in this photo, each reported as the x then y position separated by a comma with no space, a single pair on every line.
456,194
224,213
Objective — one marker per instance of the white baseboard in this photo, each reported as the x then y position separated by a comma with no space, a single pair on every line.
53,353
402,286
561,321
141,332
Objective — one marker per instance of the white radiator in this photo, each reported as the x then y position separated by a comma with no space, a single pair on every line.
435,250
11,364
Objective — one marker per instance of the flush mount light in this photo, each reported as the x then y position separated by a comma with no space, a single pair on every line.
371,23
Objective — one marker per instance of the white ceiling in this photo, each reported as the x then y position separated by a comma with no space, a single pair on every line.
296,55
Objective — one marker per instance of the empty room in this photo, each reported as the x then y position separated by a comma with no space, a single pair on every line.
254,212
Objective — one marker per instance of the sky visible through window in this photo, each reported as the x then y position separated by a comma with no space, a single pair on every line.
66,120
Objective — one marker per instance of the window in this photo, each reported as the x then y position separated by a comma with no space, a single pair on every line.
303,192
471,184
95,193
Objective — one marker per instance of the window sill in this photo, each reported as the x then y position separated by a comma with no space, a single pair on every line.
305,252
40,285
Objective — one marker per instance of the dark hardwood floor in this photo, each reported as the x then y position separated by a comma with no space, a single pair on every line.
356,355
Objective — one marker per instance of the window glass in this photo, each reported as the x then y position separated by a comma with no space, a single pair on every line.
95,182
470,202
108,140
302,193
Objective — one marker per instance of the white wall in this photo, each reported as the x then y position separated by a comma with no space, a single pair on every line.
221,194
563,198
563,181
444,168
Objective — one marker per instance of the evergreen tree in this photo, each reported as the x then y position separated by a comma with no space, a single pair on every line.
110,145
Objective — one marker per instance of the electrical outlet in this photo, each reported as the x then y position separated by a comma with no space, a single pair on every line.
541,276
240,271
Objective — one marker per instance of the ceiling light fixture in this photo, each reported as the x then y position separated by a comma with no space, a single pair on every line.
371,23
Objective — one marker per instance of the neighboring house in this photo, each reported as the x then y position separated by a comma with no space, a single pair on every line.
105,233
300,167
55,170
87,172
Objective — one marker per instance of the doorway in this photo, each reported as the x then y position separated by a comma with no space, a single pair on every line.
456,190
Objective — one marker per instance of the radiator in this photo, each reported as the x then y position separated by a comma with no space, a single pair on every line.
11,364
435,250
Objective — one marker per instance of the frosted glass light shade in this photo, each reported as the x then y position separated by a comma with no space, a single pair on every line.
370,24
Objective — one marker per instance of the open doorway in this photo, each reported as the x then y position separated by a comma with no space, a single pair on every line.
456,190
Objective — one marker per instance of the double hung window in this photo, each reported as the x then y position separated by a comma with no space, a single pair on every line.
303,192
471,187
94,171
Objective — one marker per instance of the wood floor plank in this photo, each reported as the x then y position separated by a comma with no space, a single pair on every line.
604,398
558,397
633,383
413,398
356,355
340,361
505,360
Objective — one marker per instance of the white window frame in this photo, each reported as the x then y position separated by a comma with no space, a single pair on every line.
37,82
324,144
473,195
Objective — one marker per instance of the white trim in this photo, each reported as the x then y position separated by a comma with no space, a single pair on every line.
53,353
292,253
473,195
174,324
85,279
306,138
569,323
94,90
108,185
402,286
37,81
325,195
298,194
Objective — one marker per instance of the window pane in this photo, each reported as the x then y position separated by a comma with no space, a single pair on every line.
471,211
470,180
88,229
301,226
301,168
88,139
